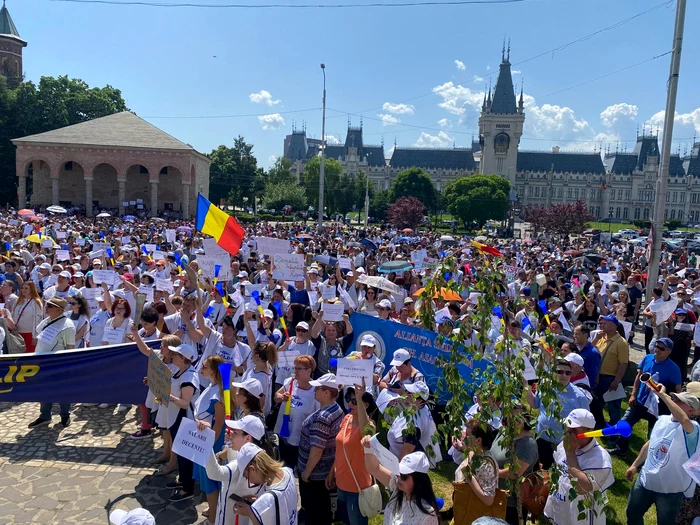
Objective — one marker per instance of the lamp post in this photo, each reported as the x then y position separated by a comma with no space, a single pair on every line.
610,214
513,197
322,172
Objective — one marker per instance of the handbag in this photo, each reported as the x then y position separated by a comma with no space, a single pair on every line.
369,499
15,342
468,507
534,491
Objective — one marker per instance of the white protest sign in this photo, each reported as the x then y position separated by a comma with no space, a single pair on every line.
100,246
150,247
288,266
286,359
147,291
474,297
104,276
529,372
126,240
80,241
14,222
511,272
313,297
60,235
96,254
165,285
663,310
344,263
28,229
351,371
91,294
272,246
347,298
250,288
385,457
211,248
332,312
192,444
170,235
208,263
158,256
62,255
696,334
445,312
46,243
328,293
628,328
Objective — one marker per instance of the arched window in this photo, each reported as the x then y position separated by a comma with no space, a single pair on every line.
625,212
637,213
617,212
646,213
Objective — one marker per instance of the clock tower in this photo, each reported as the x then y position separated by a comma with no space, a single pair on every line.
501,125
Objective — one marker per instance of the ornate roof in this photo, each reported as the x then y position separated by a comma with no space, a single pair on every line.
504,96
645,147
560,162
7,26
447,159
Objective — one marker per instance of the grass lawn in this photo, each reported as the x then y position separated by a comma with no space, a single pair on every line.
617,226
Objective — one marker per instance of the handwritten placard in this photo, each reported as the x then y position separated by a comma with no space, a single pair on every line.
288,266
104,276
385,457
332,311
351,371
165,285
344,263
272,246
170,235
159,378
328,293
208,263
192,444
62,255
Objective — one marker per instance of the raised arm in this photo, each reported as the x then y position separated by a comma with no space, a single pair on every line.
318,325
372,464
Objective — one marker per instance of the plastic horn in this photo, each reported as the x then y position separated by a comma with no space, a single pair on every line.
440,503
546,318
110,254
646,378
545,345
284,431
145,252
178,261
622,428
220,288
256,295
278,307
225,371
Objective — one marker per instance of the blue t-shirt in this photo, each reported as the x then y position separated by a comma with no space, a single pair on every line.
298,296
571,398
669,375
591,363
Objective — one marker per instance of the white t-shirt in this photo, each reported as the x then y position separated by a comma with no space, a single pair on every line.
424,422
265,379
97,326
286,490
303,405
237,355
218,313
287,371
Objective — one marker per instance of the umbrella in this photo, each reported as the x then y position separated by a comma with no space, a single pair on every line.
184,229
369,243
157,219
129,218
354,245
103,215
25,211
572,252
305,236
33,218
56,209
34,237
379,282
407,230
590,258
326,259
395,266
447,239
445,294
405,239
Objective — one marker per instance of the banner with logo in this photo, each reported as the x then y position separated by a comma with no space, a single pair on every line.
423,345
109,374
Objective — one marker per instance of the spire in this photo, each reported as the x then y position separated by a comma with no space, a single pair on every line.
483,105
504,94
7,26
503,50
508,57
488,101
520,102
361,121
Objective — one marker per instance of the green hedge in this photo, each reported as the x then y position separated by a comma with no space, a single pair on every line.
246,218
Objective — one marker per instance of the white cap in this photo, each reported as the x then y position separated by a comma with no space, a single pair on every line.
45,266
245,456
185,351
268,313
248,424
408,300
349,274
385,303
360,270
313,270
574,358
327,380
414,462
251,385
368,340
580,418
400,357
134,517
303,324
65,274
242,274
79,274
419,388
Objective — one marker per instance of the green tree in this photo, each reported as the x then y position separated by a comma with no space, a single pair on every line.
478,198
280,172
346,194
280,194
414,182
378,204
360,188
331,179
54,103
234,173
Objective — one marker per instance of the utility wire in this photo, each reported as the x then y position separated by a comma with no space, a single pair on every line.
240,115
418,3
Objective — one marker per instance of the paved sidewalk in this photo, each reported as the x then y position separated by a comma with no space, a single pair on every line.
52,475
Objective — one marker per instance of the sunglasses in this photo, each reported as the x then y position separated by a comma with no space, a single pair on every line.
564,372
351,400
301,330
73,304
404,477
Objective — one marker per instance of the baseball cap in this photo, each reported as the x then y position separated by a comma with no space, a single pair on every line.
689,399
574,358
134,517
368,340
408,300
245,456
185,351
327,380
242,274
681,311
582,418
384,303
303,325
251,385
400,357
78,274
612,319
693,388
65,274
413,462
419,387
349,274
45,266
248,424
313,270
666,341
268,313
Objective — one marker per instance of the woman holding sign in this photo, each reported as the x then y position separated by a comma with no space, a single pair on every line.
80,315
27,313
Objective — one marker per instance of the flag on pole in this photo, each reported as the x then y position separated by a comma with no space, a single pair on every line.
219,224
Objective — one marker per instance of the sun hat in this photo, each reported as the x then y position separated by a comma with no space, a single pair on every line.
57,302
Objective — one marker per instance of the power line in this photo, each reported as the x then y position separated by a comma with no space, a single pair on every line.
419,3
240,115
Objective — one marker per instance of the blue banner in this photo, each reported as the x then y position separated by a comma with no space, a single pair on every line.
423,345
109,374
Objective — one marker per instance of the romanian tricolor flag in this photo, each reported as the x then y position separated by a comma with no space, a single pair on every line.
485,248
220,225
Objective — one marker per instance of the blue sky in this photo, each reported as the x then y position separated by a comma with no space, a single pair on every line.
378,60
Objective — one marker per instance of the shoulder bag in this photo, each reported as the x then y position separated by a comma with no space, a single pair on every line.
468,507
370,499
534,491
15,342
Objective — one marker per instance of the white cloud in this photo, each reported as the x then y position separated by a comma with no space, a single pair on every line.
516,72
488,68
388,120
388,153
552,121
460,65
610,115
271,121
445,123
398,109
330,139
477,79
688,120
594,144
263,97
272,159
457,99
441,140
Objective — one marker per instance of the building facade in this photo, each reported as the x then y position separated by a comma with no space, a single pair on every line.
11,46
620,185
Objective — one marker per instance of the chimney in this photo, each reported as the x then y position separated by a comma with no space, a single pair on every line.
555,149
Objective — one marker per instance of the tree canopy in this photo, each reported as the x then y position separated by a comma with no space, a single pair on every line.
331,180
414,182
478,198
234,173
277,195
563,218
406,212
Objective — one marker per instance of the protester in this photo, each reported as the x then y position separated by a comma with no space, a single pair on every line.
614,352
329,346
26,315
401,373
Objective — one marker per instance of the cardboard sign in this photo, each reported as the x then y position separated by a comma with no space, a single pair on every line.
104,276
165,285
272,246
192,444
351,371
344,263
159,379
288,266
385,457
170,235
46,243
207,264
332,311
62,255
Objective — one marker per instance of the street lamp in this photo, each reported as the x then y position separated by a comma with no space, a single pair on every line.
610,220
513,197
322,172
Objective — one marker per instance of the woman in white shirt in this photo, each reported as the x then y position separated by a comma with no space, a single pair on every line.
264,359
27,314
118,327
79,314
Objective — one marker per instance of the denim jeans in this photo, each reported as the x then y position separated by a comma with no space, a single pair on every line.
45,410
614,407
667,505
350,502
633,415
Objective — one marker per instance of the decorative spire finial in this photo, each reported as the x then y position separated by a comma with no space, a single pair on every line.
521,102
394,141
361,121
503,50
508,58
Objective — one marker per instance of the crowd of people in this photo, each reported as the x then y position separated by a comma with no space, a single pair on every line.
592,295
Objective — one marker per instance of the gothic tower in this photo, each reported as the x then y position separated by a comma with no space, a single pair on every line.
11,46
501,124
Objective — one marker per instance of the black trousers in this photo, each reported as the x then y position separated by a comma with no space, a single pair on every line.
316,502
289,454
185,466
546,452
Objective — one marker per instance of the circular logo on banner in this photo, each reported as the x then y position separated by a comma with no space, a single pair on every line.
379,350
659,454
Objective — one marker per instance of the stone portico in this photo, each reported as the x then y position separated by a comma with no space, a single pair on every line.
109,161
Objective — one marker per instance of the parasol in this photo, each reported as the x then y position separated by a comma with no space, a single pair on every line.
326,259
379,282
447,240
395,266
407,230
25,211
103,215
445,294
34,237
184,229
369,243
56,209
